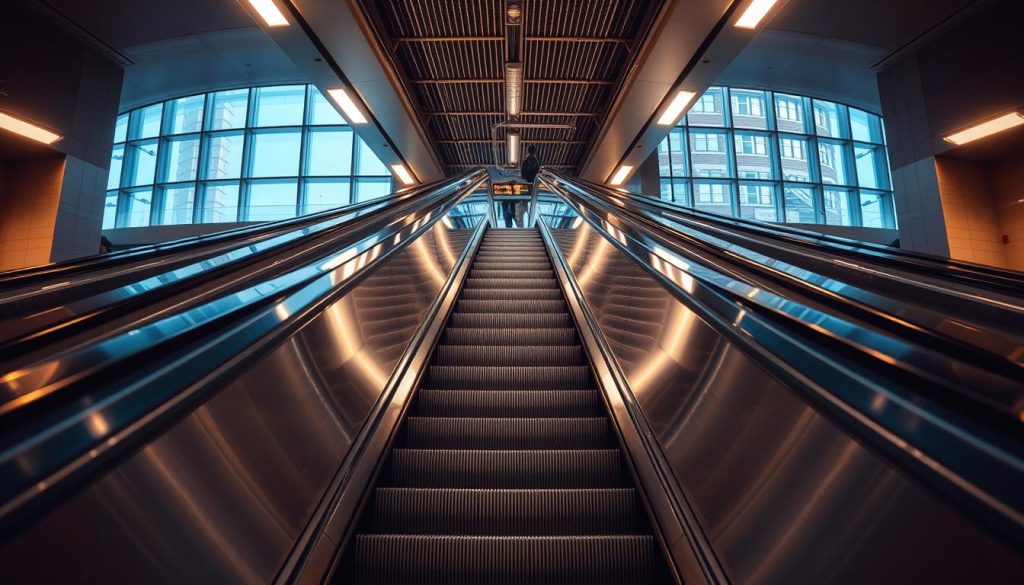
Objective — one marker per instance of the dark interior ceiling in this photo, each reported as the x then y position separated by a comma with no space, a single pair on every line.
451,57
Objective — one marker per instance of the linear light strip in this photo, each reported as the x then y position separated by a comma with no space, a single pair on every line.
403,174
755,13
27,129
269,12
986,128
348,107
676,108
621,175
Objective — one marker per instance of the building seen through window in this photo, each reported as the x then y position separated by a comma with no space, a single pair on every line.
778,157
254,154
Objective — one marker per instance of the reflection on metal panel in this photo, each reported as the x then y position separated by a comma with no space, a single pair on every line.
782,493
222,496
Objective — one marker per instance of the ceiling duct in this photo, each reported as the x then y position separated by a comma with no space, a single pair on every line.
513,89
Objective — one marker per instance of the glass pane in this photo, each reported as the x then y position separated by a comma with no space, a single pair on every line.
279,106
749,109
875,209
137,204
224,155
329,152
871,166
709,153
830,119
791,113
176,205
799,204
275,153
794,161
753,156
664,159
367,163
228,109
185,115
145,123
367,189
320,110
142,162
713,197
678,153
181,159
116,162
121,128
866,127
270,200
709,109
833,158
666,188
110,210
220,203
757,201
681,192
324,194
837,207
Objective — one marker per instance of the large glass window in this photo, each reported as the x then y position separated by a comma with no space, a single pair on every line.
241,155
778,157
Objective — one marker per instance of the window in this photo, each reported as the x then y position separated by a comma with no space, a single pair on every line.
242,155
812,161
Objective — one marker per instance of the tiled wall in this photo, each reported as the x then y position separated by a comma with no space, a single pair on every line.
31,197
80,213
1006,179
919,210
972,221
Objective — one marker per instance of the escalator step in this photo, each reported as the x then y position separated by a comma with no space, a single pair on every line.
497,355
505,512
513,271
509,306
508,336
505,283
513,403
507,433
517,321
466,468
526,294
501,560
509,377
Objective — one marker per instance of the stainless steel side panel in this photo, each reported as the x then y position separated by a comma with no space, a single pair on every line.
222,496
783,494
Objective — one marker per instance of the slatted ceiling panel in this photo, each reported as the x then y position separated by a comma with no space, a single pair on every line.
566,98
442,18
453,60
461,97
570,60
584,18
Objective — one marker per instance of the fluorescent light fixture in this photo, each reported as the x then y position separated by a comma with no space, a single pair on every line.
269,12
754,13
351,111
987,128
512,144
675,109
513,88
620,175
27,129
403,174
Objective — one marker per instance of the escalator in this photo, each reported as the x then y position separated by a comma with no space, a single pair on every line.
507,468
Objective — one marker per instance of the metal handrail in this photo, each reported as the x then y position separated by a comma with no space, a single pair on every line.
974,456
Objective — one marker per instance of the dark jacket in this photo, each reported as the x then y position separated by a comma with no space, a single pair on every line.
530,168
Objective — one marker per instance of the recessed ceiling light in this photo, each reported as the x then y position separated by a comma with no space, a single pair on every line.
27,129
403,174
675,109
986,128
351,111
269,12
513,88
754,13
620,175
512,145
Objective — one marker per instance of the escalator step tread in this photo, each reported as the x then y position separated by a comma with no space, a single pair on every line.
505,512
468,468
510,306
512,377
498,355
507,433
505,283
513,272
509,336
502,321
512,403
501,560
497,294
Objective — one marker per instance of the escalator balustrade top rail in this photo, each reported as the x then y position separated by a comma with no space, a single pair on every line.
107,397
877,385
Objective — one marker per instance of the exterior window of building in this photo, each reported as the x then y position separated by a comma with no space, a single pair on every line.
254,154
792,159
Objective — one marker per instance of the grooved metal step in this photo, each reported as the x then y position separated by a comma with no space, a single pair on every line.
507,433
500,560
522,320
512,271
468,468
513,403
526,294
497,355
506,283
510,377
508,336
505,512
510,306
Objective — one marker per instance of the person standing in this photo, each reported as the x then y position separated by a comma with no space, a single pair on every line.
528,170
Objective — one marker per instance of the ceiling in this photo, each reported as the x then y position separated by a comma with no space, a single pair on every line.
450,57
